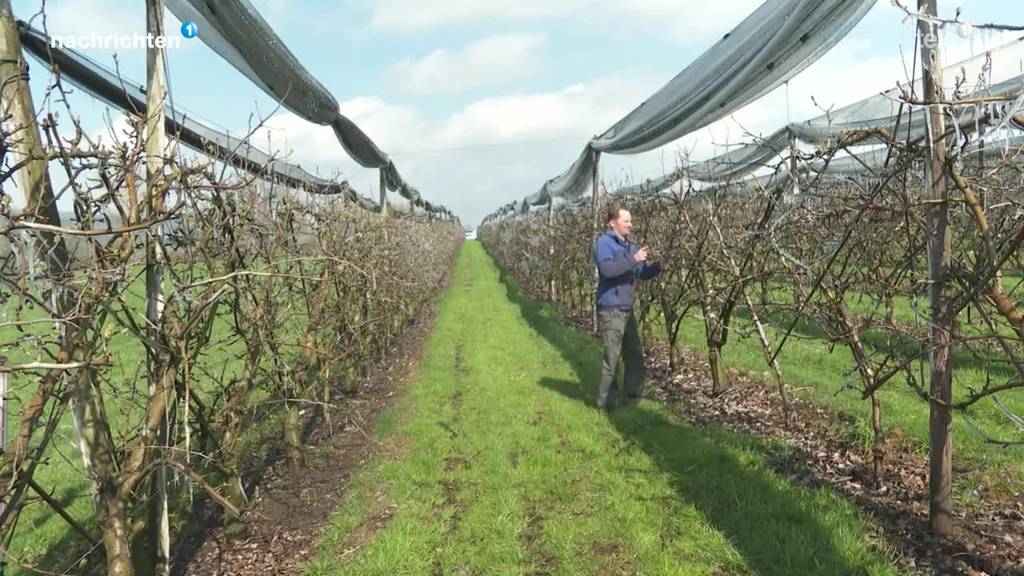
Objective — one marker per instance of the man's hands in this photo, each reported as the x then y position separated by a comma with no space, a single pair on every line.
641,255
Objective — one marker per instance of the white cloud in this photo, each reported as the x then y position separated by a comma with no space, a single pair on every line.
296,140
488,152
577,111
574,113
389,125
493,60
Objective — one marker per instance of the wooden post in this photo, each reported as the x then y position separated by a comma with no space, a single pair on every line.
3,449
595,198
794,168
156,188
981,167
3,408
551,248
940,500
595,191
383,195
40,204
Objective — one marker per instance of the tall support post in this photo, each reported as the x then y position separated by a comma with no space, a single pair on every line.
160,377
383,195
40,206
3,408
551,248
794,168
940,493
981,166
3,448
595,201
34,181
595,190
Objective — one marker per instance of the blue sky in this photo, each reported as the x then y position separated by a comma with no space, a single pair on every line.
479,102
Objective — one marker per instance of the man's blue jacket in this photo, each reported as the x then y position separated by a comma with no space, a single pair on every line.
618,271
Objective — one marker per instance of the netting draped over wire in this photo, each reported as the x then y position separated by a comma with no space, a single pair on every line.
108,86
306,100
706,92
235,30
881,115
771,45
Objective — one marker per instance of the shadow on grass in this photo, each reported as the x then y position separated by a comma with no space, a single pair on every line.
774,525
72,553
902,345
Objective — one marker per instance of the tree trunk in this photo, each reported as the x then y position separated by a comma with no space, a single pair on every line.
155,548
648,339
325,392
234,420
293,436
773,363
114,523
233,487
878,452
672,331
851,329
101,466
351,384
719,379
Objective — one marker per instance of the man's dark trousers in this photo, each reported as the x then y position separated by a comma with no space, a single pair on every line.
620,336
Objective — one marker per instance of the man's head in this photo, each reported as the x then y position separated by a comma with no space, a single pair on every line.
619,220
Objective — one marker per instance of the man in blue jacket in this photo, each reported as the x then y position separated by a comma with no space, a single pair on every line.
619,264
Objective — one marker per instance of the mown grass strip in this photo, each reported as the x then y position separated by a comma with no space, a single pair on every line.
506,468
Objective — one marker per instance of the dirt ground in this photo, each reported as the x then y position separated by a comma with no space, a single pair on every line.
990,539
290,510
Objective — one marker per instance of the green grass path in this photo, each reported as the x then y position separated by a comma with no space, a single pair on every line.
494,462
